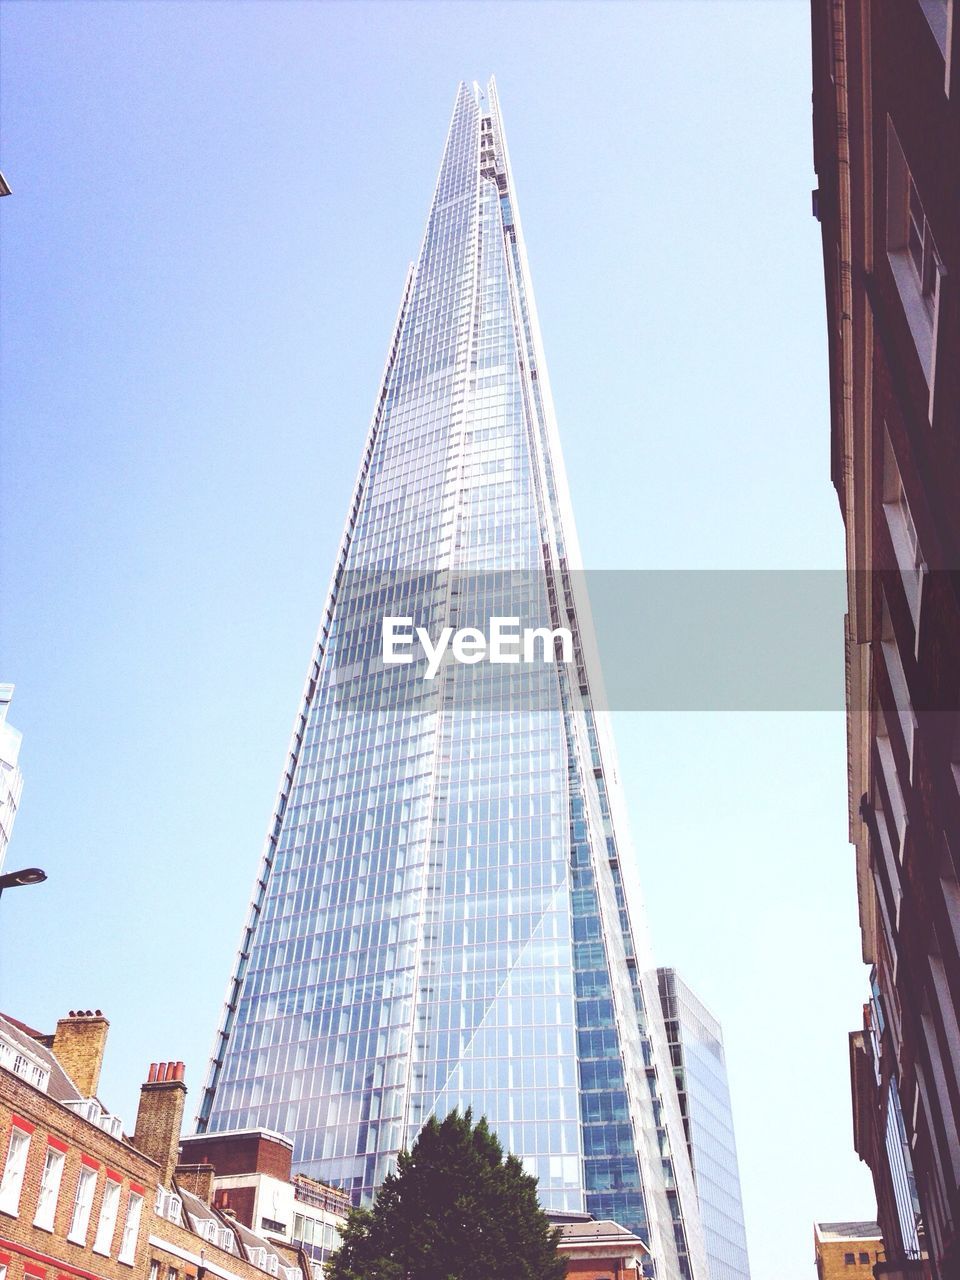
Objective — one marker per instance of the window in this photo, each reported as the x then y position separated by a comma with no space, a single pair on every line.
11,1183
131,1229
108,1217
848,1259
935,12
913,256
82,1204
864,1257
903,531
898,682
50,1181
154,1270
892,842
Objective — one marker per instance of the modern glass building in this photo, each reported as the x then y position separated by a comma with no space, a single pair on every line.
444,915
11,779
696,1049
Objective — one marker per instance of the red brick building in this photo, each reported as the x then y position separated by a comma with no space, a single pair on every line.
81,1200
253,1180
600,1250
886,117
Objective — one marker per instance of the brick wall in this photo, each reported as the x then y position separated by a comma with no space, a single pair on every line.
79,1044
233,1154
47,1255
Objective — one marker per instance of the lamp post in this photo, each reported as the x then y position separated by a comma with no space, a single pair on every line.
29,875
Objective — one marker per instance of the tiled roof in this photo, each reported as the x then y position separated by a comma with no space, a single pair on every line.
60,1087
252,1241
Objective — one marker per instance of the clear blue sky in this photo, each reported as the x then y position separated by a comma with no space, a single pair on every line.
213,210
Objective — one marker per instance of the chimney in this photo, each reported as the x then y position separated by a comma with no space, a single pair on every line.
78,1045
160,1115
197,1178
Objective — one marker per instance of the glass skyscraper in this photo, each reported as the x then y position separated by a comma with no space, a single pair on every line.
700,1069
444,915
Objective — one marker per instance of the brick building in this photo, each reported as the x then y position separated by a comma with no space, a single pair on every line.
599,1250
847,1250
80,1200
253,1181
886,117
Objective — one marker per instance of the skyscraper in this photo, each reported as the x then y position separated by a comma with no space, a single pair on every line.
444,914
11,779
700,1071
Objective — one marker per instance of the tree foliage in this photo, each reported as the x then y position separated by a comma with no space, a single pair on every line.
454,1210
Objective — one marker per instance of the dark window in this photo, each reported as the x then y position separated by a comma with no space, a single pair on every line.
848,1259
864,1257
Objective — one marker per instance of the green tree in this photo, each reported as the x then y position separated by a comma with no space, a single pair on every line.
454,1210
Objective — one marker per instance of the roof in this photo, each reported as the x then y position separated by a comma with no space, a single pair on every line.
60,1087
848,1230
194,1211
220,1135
250,1240
603,1234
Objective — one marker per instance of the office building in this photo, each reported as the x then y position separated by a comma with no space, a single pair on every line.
700,1071
252,1180
11,779
445,915
886,117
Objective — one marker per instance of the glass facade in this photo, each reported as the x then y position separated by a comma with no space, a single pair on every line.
442,913
696,1049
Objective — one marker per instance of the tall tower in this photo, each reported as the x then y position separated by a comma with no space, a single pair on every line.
444,915
11,779
700,1070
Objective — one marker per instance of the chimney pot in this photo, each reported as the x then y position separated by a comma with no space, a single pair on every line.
159,1117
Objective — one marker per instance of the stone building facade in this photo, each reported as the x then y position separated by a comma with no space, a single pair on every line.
886,116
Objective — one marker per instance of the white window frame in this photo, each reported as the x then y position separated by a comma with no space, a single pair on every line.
14,1169
109,1212
54,1164
82,1204
919,289
131,1229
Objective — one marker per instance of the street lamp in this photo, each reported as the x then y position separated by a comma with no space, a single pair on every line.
29,875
